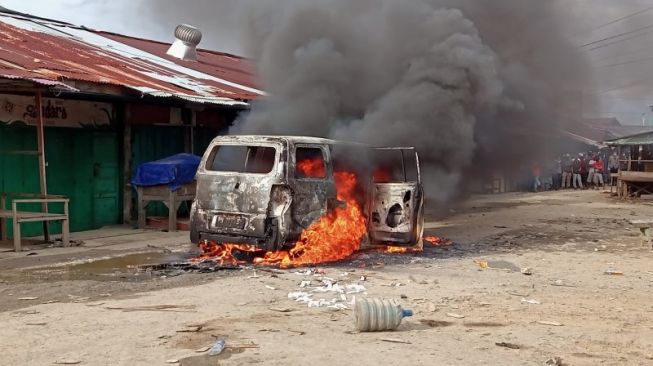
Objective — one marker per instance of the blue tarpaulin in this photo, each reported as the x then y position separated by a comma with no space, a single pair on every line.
174,171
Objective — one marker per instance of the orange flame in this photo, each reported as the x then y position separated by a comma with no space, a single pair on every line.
437,241
312,168
333,237
382,175
397,250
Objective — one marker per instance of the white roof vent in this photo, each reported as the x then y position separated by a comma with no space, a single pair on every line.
185,45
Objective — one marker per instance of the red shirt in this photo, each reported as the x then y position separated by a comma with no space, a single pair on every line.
598,165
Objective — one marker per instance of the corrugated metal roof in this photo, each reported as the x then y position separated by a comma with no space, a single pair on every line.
645,138
52,52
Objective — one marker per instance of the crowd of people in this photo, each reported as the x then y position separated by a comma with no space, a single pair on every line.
575,171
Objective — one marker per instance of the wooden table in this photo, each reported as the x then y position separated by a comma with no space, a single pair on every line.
635,183
19,217
163,193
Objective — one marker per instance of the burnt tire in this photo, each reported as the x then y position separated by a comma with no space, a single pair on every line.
417,237
274,241
194,235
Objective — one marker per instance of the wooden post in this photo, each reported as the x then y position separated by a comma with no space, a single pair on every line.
65,225
42,162
127,168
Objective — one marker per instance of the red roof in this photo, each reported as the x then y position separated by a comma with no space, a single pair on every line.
55,53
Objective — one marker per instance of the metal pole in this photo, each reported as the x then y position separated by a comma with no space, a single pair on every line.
127,167
42,172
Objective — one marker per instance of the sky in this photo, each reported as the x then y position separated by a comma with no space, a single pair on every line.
621,84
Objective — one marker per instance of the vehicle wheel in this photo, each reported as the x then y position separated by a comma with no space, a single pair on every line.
417,238
194,235
273,242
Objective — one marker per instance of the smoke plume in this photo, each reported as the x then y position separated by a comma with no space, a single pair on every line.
474,85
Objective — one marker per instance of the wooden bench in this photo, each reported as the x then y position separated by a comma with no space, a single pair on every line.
646,230
19,217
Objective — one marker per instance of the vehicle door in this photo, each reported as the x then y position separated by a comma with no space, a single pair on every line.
396,200
311,180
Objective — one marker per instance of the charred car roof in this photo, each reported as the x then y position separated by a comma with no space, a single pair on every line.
293,139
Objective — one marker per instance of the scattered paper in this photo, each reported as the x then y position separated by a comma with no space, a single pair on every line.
530,301
454,315
551,323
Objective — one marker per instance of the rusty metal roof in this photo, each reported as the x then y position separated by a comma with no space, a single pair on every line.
54,54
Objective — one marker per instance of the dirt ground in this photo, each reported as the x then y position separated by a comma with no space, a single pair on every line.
568,311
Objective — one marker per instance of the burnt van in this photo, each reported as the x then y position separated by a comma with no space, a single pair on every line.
251,190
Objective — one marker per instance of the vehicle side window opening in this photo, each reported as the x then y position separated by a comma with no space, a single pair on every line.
242,159
394,166
309,163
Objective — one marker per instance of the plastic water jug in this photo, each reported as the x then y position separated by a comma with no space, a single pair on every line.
374,315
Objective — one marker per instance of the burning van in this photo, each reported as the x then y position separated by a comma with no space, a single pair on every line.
276,192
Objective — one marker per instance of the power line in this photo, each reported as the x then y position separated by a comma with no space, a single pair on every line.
616,36
614,21
624,18
617,41
628,86
627,62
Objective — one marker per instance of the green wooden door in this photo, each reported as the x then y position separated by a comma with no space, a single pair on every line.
106,174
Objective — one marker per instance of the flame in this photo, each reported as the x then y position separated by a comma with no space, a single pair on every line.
397,250
312,168
437,241
382,175
223,253
335,236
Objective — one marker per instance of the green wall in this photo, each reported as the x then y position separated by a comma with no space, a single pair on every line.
77,159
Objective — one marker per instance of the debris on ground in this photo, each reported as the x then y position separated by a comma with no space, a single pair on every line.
613,272
314,296
561,283
190,329
281,310
454,315
217,347
170,308
508,345
395,340
498,265
530,301
556,361
528,271
551,323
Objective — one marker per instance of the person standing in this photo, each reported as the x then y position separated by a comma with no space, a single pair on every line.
590,171
567,171
613,163
598,173
557,173
537,173
576,171
583,169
